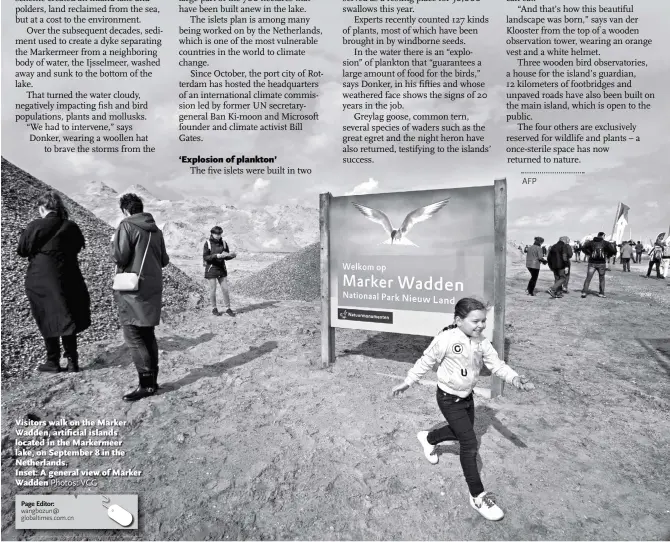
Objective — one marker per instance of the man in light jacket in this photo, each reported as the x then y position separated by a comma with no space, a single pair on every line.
626,255
140,311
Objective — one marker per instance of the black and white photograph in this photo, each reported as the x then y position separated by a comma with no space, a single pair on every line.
355,270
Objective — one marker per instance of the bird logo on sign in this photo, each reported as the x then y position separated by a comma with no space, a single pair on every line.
398,236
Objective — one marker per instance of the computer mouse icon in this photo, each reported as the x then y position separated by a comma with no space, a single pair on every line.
120,515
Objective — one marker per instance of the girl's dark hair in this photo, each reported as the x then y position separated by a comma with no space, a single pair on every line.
217,230
131,203
53,202
464,307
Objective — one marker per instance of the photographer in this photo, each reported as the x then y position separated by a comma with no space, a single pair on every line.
214,254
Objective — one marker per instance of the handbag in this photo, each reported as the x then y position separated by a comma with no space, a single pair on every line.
130,282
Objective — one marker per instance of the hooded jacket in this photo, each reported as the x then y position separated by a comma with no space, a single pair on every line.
460,360
56,290
143,307
565,252
608,248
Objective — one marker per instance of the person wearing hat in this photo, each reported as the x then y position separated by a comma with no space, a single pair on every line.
534,257
214,254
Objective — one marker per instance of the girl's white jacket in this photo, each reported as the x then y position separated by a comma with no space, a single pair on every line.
460,360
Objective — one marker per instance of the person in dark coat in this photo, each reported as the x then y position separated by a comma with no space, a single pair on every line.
140,311
559,262
639,249
56,290
214,254
569,253
599,251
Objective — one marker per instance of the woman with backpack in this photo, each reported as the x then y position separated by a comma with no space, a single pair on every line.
214,254
56,290
655,258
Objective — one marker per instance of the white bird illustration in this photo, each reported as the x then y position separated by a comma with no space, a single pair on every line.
398,236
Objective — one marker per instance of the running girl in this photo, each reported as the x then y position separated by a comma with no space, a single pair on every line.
461,351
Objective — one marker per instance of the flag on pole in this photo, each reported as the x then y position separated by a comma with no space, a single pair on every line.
620,223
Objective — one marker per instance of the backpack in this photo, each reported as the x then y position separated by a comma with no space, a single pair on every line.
555,258
209,246
598,252
657,253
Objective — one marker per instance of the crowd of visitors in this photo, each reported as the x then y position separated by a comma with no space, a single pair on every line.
59,298
598,254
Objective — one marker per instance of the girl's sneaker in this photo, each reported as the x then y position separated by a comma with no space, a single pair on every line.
428,449
486,506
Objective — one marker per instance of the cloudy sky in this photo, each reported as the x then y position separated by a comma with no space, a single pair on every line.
574,200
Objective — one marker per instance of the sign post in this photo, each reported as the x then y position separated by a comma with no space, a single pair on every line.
499,276
327,331
399,262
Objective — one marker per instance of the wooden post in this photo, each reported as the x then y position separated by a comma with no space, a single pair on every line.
327,332
499,275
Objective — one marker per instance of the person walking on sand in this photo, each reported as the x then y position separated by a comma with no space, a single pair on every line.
568,253
639,249
534,258
655,259
214,254
559,262
138,247
578,251
598,250
626,255
460,351
56,289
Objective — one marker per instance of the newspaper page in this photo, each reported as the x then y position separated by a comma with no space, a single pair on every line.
343,269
